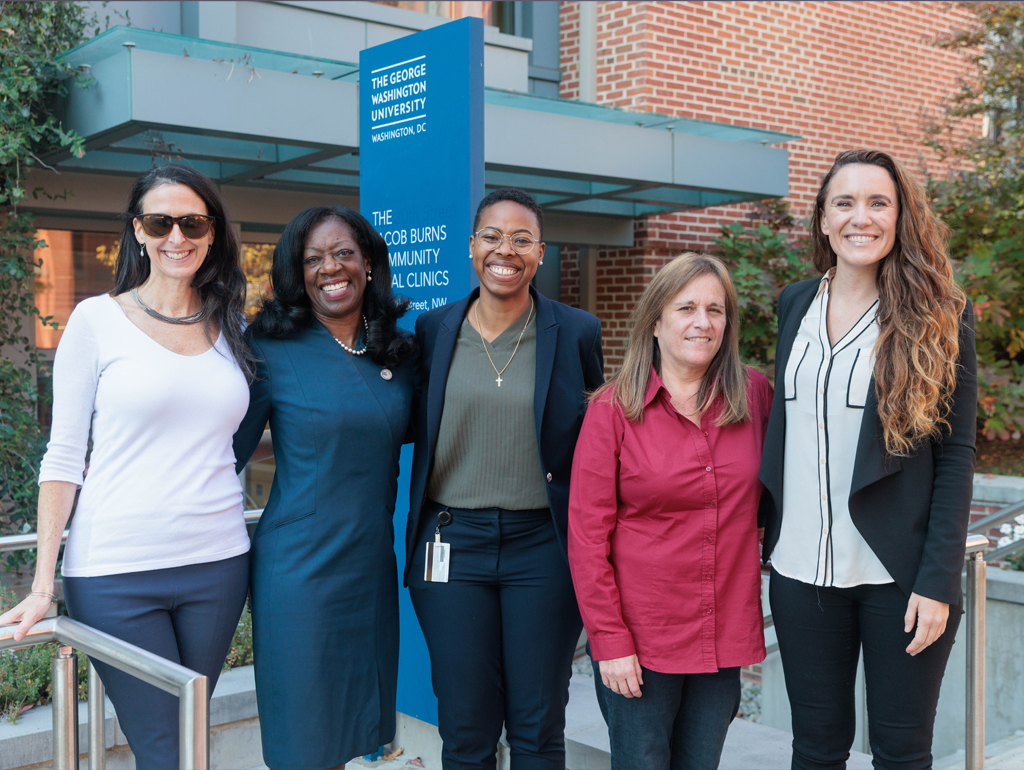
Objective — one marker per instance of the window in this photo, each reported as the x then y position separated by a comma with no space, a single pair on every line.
498,13
77,265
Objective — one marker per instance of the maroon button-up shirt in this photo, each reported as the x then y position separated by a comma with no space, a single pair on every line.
663,533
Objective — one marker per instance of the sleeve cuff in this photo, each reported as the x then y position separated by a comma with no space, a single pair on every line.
610,646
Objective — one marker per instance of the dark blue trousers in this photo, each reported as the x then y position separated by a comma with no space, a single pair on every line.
501,635
678,723
187,615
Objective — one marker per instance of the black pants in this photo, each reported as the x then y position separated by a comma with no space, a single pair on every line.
820,632
187,615
501,635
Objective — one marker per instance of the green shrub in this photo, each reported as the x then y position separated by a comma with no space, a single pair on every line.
762,259
32,38
982,200
240,653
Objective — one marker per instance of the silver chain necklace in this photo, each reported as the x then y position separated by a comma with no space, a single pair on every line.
350,350
183,320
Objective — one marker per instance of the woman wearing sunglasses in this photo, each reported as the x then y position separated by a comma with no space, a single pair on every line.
504,376
158,552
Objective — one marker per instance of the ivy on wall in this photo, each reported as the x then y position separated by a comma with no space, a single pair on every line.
32,38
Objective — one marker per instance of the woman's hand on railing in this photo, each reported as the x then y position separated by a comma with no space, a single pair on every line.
930,615
30,611
622,675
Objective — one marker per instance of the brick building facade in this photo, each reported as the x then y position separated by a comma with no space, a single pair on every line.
839,74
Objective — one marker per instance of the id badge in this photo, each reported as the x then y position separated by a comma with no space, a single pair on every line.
435,568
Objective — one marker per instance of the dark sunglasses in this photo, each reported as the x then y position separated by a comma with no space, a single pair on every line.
191,225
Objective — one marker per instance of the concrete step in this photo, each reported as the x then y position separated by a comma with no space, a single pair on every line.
1005,754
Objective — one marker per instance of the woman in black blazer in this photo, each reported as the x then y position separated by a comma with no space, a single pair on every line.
503,381
869,459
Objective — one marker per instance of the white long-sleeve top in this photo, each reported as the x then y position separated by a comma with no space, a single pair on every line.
161,489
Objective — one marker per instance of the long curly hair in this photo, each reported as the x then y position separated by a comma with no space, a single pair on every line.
919,310
290,310
219,280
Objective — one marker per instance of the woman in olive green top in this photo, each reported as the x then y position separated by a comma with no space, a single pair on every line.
504,376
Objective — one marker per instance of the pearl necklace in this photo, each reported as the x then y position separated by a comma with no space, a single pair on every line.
350,350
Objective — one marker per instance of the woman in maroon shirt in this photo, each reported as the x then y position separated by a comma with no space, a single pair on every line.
663,523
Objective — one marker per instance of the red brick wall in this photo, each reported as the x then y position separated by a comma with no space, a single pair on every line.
839,74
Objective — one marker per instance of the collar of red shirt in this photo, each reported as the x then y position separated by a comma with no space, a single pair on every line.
653,386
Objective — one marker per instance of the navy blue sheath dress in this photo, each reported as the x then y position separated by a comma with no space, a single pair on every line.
323,575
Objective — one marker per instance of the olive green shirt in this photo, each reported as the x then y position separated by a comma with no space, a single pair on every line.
487,454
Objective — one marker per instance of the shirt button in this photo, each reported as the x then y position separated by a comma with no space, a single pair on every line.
824,497
821,390
821,425
708,469
709,540
705,433
822,461
549,477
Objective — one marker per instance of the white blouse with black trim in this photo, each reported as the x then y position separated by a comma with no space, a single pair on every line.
826,391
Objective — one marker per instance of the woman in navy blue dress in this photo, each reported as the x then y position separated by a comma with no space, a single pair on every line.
335,382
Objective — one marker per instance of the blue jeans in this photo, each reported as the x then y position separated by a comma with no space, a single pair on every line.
187,615
678,723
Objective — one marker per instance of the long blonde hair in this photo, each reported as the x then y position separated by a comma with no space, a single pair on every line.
919,308
725,375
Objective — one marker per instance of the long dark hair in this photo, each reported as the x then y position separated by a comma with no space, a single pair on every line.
290,309
219,280
919,308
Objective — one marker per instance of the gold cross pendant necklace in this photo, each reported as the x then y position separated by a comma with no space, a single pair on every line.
479,328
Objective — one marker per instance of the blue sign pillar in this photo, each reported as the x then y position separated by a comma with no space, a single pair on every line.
421,176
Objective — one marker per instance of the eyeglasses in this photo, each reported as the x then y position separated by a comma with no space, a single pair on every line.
191,225
490,238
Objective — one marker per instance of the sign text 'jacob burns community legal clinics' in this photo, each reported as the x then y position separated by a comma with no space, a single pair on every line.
414,247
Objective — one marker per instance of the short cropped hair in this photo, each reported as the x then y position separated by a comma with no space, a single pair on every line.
515,196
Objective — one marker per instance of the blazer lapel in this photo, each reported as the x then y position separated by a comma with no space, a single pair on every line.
441,360
547,342
872,462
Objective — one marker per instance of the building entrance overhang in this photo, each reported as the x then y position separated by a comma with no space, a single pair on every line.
250,117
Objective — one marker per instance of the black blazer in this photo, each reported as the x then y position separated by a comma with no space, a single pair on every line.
912,511
569,363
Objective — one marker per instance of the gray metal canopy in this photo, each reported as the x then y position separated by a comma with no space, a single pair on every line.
253,117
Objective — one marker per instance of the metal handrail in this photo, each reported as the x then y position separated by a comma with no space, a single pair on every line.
993,520
974,743
28,540
191,688
1001,516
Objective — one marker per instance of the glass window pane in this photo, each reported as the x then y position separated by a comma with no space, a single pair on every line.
76,265
257,259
